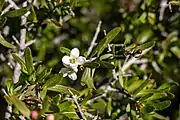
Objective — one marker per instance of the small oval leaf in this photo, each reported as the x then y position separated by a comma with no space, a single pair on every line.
16,13
91,64
5,43
106,64
65,50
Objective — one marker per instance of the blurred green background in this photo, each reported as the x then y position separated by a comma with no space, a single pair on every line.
140,21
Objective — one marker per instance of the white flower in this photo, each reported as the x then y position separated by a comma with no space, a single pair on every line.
69,72
73,60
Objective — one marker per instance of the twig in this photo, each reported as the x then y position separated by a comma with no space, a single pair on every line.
74,97
22,44
30,43
163,6
6,9
109,50
94,99
95,37
13,4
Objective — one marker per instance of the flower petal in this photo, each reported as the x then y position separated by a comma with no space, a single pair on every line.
74,53
66,60
81,60
64,71
75,69
72,75
73,65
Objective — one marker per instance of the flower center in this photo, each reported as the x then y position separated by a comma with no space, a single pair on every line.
73,60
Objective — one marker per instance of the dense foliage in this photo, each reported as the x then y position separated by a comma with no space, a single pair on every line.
90,59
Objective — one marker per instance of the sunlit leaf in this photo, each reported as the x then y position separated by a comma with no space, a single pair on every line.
43,92
105,41
16,13
19,105
18,59
176,51
29,61
63,89
54,80
71,115
106,56
5,43
45,105
162,105
109,107
146,45
166,86
121,81
141,86
87,78
65,50
1,4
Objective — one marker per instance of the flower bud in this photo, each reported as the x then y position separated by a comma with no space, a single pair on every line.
50,117
34,115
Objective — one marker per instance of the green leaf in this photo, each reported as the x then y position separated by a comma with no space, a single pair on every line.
42,75
33,15
166,86
106,56
176,50
54,80
45,105
141,86
156,96
19,60
9,85
43,92
29,61
105,41
87,78
63,106
19,105
5,43
148,108
71,115
158,116
63,89
145,35
106,64
162,105
121,81
91,64
146,45
109,107
162,95
65,50
16,13
2,21
1,4
100,104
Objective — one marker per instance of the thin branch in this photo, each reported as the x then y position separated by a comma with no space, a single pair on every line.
30,43
22,44
74,97
13,4
163,6
95,37
6,9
